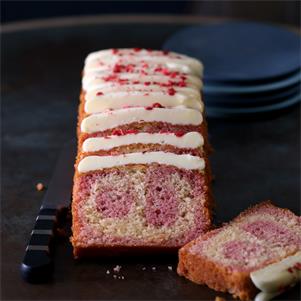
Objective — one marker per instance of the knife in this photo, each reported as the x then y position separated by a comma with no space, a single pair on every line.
37,265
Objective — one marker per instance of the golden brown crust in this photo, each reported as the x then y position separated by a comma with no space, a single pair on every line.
112,251
141,147
203,271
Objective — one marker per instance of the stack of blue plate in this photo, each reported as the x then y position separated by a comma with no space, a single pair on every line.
250,68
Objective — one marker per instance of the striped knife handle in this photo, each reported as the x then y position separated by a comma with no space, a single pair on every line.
37,265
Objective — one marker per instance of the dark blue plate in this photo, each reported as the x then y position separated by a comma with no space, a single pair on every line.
239,51
246,83
219,111
242,100
240,89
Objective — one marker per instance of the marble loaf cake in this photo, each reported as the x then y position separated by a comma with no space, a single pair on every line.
142,176
260,250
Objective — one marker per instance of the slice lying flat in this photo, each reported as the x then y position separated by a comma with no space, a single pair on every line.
258,250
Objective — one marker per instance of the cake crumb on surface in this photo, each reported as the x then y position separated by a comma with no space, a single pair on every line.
60,232
153,268
218,298
108,272
169,268
40,186
115,276
117,268
143,268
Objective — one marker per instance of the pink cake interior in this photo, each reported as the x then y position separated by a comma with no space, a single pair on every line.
153,205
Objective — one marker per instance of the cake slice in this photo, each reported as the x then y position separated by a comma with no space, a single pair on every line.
142,177
259,250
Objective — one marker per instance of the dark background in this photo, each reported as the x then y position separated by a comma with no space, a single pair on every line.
286,12
40,82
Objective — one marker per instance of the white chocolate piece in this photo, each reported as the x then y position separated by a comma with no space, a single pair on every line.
192,92
151,69
170,59
190,140
108,120
262,296
95,80
273,277
186,161
116,100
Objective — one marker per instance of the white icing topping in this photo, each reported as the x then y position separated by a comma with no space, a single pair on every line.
274,277
189,140
96,80
171,60
108,120
139,68
116,100
120,83
262,296
92,163
105,89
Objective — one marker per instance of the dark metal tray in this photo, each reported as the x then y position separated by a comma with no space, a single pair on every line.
253,160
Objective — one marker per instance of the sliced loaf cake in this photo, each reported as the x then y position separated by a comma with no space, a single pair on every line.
142,175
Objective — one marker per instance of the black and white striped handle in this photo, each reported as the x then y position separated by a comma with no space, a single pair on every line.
37,265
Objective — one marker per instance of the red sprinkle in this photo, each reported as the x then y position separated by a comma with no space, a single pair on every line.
147,83
117,68
157,105
171,91
166,52
290,270
122,81
131,132
154,105
99,93
114,51
165,71
118,132
174,74
181,84
130,68
137,49
136,82
110,77
179,133
297,266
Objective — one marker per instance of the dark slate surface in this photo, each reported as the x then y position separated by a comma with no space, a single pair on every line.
253,161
